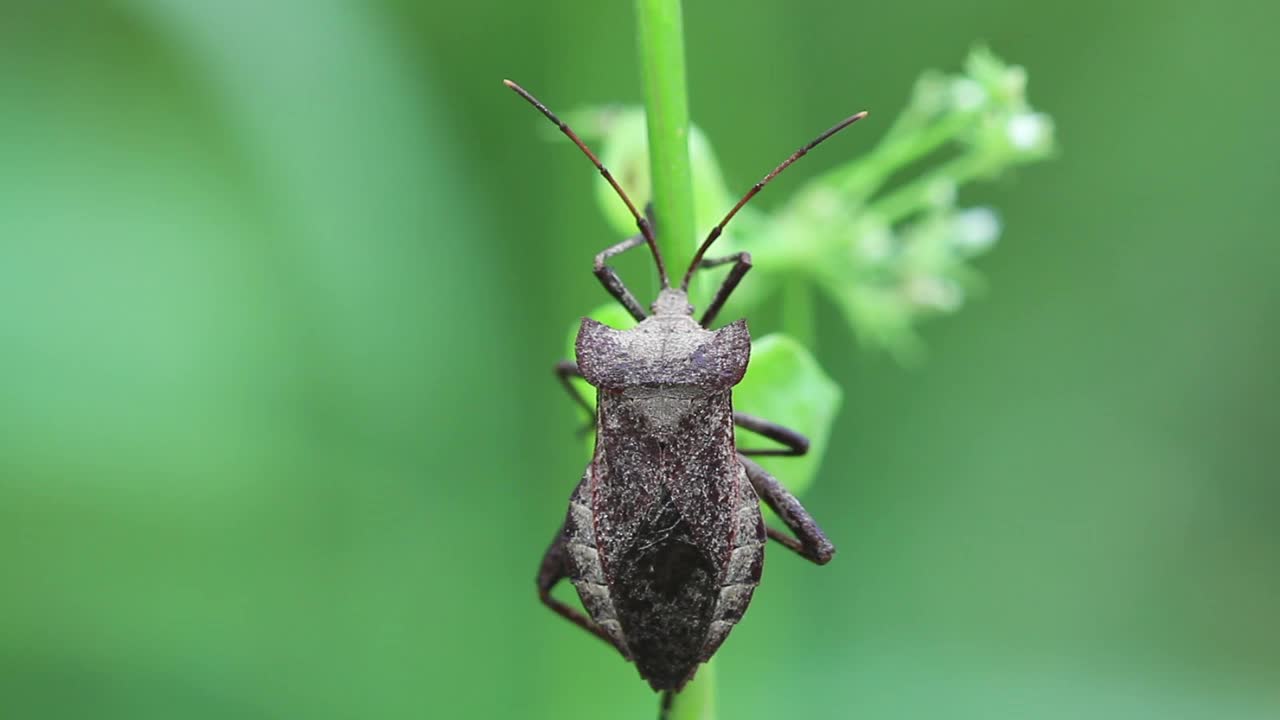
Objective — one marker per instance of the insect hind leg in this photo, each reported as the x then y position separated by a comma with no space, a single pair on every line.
555,568
809,541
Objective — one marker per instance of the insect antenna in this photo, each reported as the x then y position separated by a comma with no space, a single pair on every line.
645,229
719,228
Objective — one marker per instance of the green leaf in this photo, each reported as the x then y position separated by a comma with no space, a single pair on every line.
624,149
890,255
784,384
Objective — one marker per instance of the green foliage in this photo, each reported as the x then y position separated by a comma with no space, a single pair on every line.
888,250
886,254
625,151
785,384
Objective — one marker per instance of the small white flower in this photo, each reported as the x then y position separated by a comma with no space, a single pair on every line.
975,229
967,94
1015,81
1028,131
930,95
934,292
875,242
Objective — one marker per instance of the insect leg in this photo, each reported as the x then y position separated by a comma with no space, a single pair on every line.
609,278
554,569
741,264
796,444
566,369
809,541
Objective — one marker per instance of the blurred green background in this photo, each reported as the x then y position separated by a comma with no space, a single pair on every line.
281,285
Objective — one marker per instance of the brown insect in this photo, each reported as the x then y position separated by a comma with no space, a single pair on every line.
664,539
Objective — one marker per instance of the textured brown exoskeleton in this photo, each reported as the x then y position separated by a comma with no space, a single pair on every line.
664,540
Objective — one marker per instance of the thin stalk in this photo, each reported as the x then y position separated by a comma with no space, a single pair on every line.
863,178
698,699
660,26
666,100
908,199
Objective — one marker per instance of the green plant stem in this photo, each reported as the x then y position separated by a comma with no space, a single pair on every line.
661,34
864,177
660,27
698,699
914,196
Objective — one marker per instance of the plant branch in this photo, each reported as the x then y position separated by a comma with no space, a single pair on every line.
661,34
698,699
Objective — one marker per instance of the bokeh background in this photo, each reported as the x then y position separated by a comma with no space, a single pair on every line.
281,285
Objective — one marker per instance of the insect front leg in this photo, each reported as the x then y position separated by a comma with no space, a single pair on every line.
609,277
741,264
796,444
809,541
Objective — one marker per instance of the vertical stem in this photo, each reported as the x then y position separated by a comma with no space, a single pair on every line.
698,699
661,34
666,99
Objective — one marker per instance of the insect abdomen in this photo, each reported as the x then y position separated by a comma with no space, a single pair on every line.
675,532
668,599
746,562
585,568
